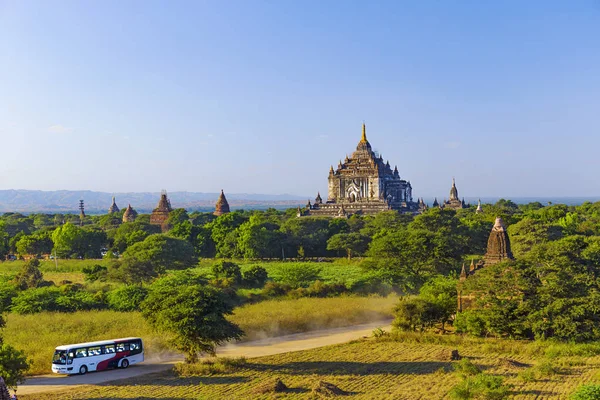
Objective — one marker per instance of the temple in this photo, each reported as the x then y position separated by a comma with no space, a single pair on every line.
363,184
113,207
130,214
454,202
222,206
161,213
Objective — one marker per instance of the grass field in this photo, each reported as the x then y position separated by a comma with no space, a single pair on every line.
39,334
56,272
370,369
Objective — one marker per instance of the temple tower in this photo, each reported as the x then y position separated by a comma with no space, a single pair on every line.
498,248
161,213
454,202
222,206
81,212
113,207
479,209
130,214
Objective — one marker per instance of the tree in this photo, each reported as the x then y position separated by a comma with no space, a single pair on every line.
162,252
13,365
351,243
255,276
227,270
414,314
36,244
259,238
131,233
191,313
70,240
441,292
30,275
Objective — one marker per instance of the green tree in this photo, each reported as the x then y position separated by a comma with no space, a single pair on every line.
162,252
131,233
352,243
13,365
30,275
255,276
259,238
35,244
227,270
441,292
191,313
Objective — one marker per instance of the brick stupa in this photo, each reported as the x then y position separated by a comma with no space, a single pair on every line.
498,247
130,214
222,206
161,213
113,207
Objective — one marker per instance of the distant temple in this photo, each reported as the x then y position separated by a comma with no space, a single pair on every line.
130,214
161,213
222,206
479,209
498,250
454,202
113,207
363,184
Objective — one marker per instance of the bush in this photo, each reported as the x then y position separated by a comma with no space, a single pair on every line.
466,368
227,270
95,273
7,293
36,300
480,386
586,392
255,276
13,365
275,289
297,276
30,276
126,298
470,322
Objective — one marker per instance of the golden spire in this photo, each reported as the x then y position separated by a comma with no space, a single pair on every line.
364,133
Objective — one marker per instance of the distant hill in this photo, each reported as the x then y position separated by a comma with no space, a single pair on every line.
98,202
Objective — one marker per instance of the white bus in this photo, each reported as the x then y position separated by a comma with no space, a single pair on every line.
97,356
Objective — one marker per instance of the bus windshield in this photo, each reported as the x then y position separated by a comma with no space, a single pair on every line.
60,357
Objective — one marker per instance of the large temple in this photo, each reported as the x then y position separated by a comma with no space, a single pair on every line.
363,184
161,213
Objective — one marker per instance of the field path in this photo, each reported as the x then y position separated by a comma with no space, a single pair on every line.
256,348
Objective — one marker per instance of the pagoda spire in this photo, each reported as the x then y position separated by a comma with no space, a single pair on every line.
364,133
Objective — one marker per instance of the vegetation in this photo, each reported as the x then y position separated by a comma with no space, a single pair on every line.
418,368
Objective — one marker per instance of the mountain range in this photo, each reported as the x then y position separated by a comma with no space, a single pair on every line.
65,201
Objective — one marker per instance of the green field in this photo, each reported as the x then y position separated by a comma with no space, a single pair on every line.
417,367
38,334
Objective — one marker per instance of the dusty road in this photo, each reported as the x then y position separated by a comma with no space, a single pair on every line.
257,348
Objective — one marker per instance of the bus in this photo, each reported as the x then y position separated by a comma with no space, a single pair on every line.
81,358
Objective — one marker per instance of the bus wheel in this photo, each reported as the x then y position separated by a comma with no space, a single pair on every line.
82,370
124,363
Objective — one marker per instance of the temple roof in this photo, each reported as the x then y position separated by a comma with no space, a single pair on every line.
113,207
222,206
130,214
163,204
453,191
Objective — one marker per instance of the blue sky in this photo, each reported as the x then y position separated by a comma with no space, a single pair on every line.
263,96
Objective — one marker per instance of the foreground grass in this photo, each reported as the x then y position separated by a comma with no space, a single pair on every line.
39,334
408,368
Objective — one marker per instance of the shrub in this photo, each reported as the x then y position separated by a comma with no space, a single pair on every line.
275,289
13,365
95,273
297,275
36,300
320,289
7,292
470,322
30,276
126,298
466,368
587,392
227,270
255,276
480,386
77,301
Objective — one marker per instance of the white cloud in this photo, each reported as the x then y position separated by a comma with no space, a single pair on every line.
58,128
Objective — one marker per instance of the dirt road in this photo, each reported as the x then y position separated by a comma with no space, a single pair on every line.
257,348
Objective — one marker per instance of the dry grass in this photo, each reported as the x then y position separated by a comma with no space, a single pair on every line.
365,369
39,334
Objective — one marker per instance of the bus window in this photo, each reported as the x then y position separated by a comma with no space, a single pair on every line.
135,347
80,353
94,351
122,347
110,349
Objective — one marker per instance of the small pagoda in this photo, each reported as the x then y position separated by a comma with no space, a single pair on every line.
222,206
498,247
130,214
161,213
113,207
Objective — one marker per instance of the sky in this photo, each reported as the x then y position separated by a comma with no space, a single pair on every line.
257,96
